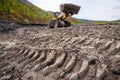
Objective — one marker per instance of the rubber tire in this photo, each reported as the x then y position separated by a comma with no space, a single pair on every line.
57,24
67,23
51,24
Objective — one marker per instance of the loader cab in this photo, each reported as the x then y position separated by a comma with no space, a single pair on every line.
56,14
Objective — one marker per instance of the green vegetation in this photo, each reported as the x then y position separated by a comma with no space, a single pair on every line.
15,10
74,21
100,22
116,22
84,21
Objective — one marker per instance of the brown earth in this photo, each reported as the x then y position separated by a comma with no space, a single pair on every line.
81,52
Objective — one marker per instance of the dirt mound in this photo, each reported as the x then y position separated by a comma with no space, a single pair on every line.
75,53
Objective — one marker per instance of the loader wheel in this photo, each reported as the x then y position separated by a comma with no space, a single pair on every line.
51,24
56,24
67,23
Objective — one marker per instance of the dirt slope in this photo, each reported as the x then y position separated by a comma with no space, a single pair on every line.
88,52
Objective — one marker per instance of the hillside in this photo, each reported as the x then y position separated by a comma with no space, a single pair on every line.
116,21
85,21
75,21
22,11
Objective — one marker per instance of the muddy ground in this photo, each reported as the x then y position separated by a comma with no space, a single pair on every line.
81,52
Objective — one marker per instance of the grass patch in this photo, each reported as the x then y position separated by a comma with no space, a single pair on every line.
100,23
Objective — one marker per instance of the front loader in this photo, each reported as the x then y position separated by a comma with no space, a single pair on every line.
59,19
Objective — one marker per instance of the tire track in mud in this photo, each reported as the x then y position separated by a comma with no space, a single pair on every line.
49,62
67,56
